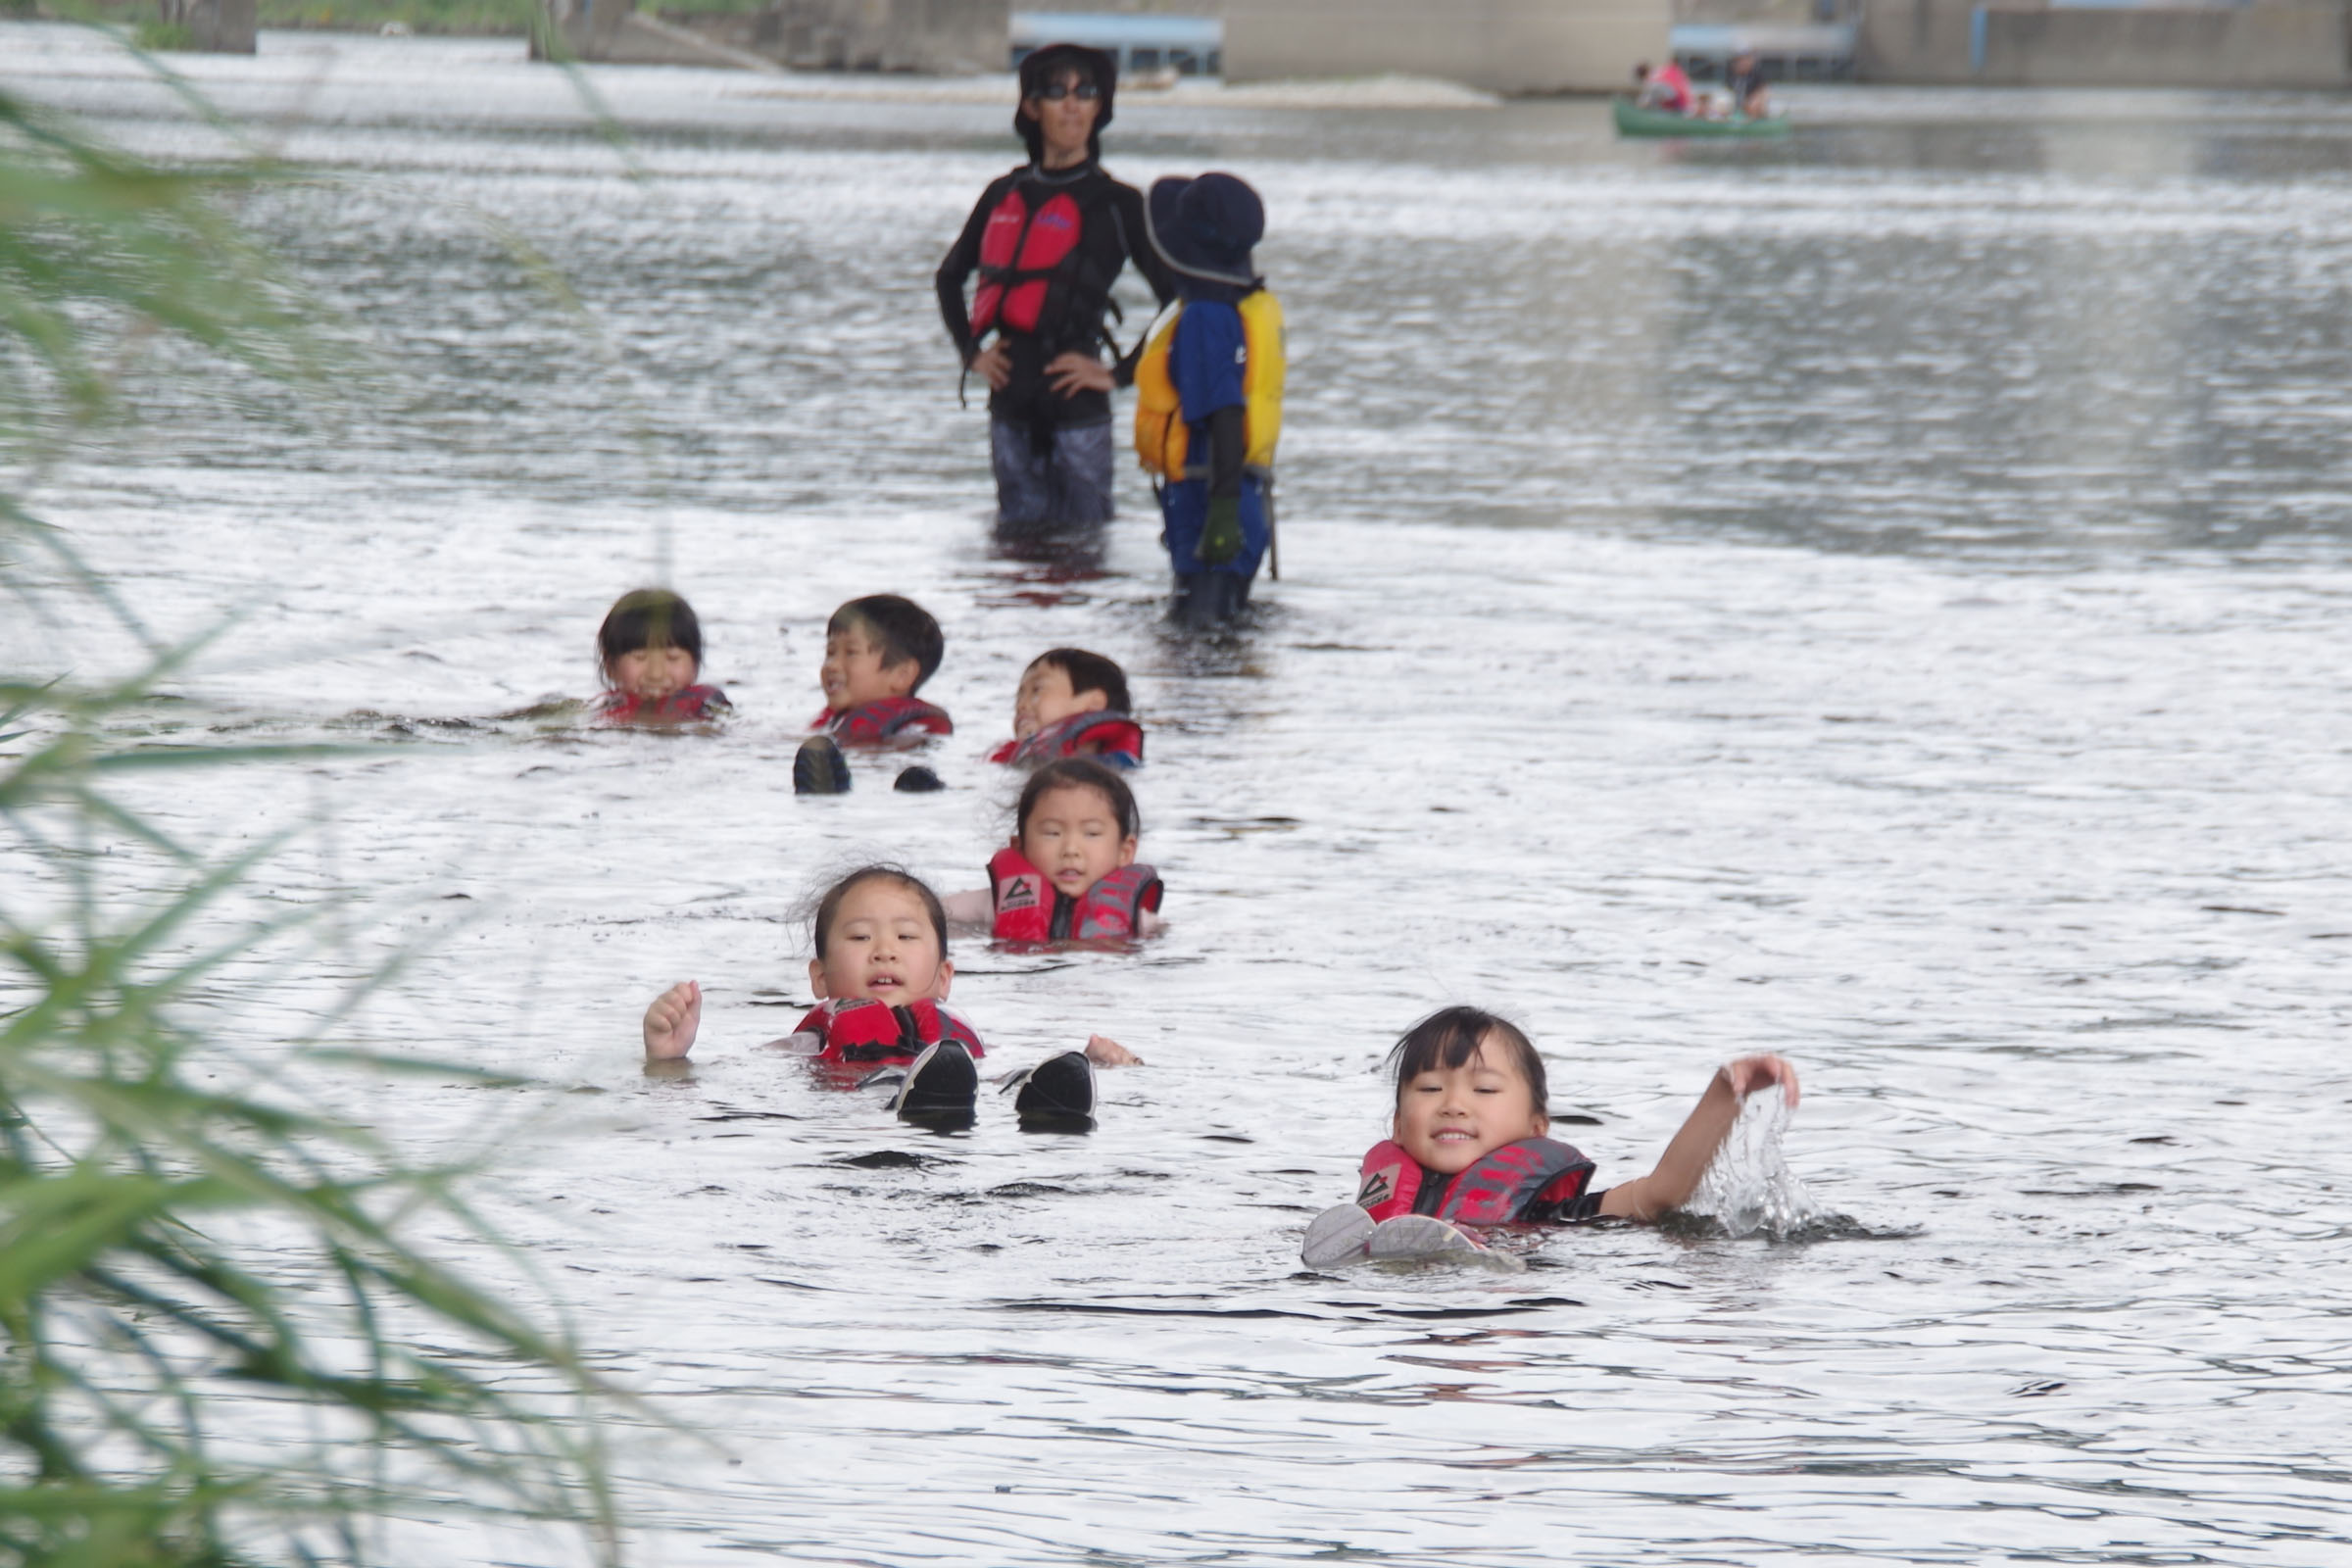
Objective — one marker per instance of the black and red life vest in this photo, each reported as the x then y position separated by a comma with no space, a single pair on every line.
688,705
884,720
1031,909
1113,737
1527,1182
1032,278
869,1029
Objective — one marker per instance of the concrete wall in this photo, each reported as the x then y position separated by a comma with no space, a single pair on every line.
2272,43
943,36
1508,46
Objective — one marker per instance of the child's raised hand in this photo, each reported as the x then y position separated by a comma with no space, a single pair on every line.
672,1021
1105,1051
1750,1074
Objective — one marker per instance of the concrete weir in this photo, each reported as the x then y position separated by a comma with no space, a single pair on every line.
936,36
2019,43
1503,46
1536,46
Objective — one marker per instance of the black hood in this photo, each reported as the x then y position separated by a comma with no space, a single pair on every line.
1040,67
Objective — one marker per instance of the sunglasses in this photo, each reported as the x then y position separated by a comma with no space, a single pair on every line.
1054,92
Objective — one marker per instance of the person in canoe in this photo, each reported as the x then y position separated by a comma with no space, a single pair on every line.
1745,80
1047,240
1666,89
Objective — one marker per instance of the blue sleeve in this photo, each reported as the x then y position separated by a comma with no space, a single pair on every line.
1205,360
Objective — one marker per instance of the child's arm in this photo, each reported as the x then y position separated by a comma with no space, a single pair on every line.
976,908
672,1019
1670,1186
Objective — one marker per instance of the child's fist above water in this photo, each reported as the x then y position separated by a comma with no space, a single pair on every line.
672,1021
1750,1074
1105,1051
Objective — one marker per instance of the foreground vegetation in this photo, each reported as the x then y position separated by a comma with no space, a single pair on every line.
224,1344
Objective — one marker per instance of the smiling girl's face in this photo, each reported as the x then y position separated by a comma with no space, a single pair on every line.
1450,1118
882,944
654,672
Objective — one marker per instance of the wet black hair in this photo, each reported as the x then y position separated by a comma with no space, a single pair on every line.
1079,774
1451,1036
828,907
1089,673
904,628
647,618
1041,67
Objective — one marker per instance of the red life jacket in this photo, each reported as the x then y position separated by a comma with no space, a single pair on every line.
869,1029
686,706
1513,1185
1029,262
1112,736
883,719
1031,909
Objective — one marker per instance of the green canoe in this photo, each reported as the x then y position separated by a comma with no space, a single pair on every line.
1637,122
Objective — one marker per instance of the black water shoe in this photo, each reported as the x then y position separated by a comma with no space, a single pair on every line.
919,780
820,768
939,1087
1057,1095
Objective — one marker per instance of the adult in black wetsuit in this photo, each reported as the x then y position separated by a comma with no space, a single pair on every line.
1035,329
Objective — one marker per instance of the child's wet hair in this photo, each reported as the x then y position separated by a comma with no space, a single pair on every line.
828,907
647,618
1451,1036
1089,673
904,628
1079,774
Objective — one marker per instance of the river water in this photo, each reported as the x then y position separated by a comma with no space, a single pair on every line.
1881,598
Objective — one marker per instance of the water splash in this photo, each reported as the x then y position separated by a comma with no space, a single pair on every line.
1750,1187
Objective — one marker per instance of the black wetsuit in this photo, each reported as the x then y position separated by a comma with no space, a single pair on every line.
1113,236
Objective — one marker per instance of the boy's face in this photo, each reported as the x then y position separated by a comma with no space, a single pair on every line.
854,673
882,944
1450,1118
1046,698
653,673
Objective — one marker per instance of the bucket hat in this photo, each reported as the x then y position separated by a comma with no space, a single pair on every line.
1206,227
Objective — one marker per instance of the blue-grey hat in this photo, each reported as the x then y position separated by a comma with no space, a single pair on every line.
1206,228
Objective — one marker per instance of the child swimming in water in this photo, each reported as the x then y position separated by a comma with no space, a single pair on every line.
881,976
1467,1146
1070,872
879,650
650,651
1072,703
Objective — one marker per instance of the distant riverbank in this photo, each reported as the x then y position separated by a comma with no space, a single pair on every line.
472,19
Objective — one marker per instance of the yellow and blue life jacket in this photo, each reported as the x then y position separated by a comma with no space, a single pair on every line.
1161,437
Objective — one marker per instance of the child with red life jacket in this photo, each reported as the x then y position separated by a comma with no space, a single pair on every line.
1668,88
1208,394
881,976
649,651
1468,1147
1072,703
1070,873
879,650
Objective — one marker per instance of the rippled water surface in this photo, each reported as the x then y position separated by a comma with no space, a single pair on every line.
1881,599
